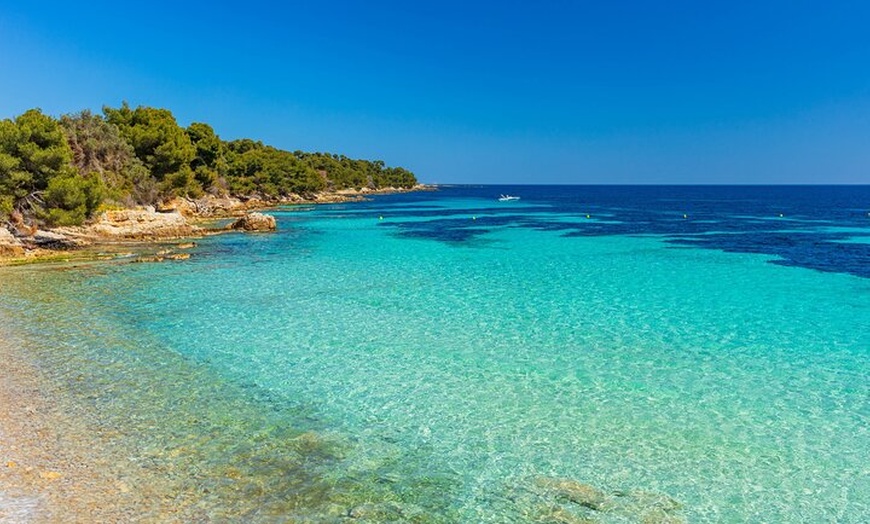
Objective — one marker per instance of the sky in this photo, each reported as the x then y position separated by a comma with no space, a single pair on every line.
557,92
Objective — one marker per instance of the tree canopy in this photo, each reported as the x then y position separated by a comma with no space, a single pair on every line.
60,171
33,151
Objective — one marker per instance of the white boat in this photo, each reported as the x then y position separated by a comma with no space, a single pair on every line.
507,198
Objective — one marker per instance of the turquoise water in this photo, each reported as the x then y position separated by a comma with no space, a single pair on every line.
453,379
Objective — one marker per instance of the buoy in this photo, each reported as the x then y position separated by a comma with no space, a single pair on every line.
685,215
380,218
780,215
473,218
587,216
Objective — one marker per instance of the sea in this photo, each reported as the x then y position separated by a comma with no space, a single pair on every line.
585,354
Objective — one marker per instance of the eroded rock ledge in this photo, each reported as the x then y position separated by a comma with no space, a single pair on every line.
134,224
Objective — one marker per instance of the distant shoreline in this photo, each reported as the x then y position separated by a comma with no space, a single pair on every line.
179,221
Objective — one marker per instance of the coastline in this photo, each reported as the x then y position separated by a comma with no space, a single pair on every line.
56,466
60,463
151,235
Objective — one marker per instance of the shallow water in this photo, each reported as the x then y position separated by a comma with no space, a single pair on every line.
445,357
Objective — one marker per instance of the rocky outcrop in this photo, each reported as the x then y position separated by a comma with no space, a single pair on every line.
255,222
56,241
9,245
211,206
19,245
136,224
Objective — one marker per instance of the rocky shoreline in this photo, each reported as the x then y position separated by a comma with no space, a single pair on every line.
180,218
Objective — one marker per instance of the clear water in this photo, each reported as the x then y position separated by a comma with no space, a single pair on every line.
443,357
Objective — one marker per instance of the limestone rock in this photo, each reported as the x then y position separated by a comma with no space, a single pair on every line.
55,240
211,206
255,222
9,245
141,224
182,206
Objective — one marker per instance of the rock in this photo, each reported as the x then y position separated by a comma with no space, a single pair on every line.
178,256
148,259
576,492
650,499
557,515
234,473
49,475
140,224
178,205
9,245
55,240
186,245
646,507
210,206
255,222
660,516
376,512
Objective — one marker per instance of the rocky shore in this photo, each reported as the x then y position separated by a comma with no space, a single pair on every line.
179,218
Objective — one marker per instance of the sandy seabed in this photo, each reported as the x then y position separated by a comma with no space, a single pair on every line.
55,467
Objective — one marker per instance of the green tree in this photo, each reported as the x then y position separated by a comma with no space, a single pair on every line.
161,144
257,169
98,147
209,162
70,199
33,150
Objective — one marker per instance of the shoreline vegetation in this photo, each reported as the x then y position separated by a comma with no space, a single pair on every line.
79,186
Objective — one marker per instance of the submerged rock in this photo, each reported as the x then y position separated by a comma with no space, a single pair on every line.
255,222
557,515
162,256
148,259
569,501
576,492
378,512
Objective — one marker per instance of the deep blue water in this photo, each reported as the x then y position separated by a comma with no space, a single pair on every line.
826,228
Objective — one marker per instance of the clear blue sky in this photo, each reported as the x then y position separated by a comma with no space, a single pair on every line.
478,92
